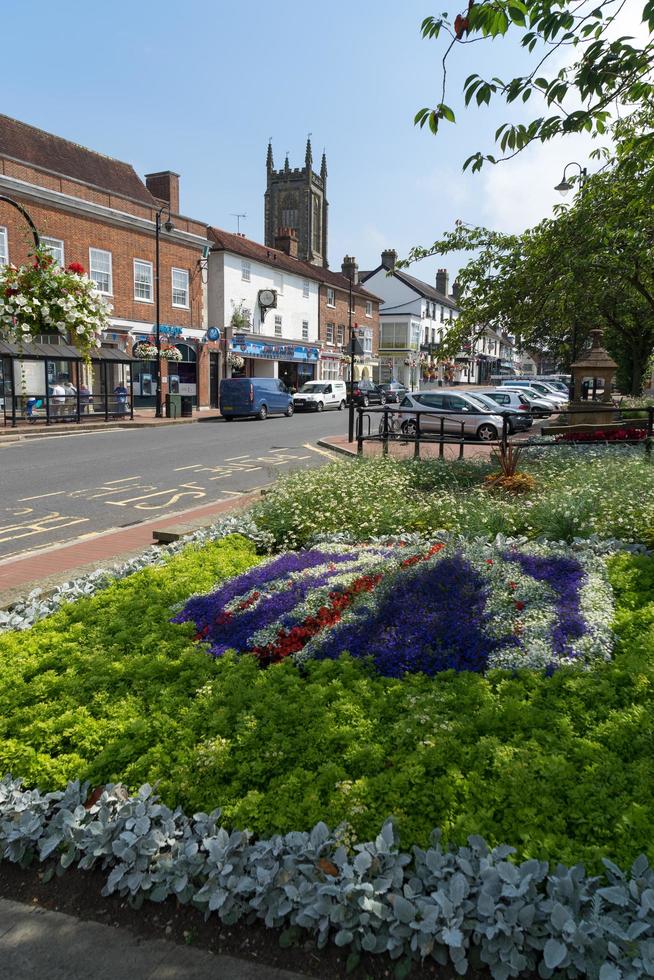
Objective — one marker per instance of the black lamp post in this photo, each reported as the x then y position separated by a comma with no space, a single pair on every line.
564,187
19,207
169,226
350,425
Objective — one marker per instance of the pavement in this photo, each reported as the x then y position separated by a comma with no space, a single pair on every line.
405,450
35,942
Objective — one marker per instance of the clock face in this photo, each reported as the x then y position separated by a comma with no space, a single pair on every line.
266,297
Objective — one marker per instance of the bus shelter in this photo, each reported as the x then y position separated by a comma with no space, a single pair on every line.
51,383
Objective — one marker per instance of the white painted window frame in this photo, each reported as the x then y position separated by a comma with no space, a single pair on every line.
49,242
150,282
102,251
184,272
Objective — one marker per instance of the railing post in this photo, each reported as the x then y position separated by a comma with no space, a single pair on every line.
441,441
385,432
462,424
650,426
359,431
416,443
505,431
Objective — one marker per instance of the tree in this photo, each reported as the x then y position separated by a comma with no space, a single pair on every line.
603,70
591,265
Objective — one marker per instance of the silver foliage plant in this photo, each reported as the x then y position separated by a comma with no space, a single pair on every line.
468,906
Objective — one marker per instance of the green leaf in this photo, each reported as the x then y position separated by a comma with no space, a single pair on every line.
352,962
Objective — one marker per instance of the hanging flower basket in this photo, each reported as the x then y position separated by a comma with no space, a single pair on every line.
143,350
171,354
42,298
235,360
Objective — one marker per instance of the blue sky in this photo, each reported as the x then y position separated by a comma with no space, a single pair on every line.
200,87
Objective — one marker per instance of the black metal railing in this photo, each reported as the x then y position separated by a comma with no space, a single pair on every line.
404,425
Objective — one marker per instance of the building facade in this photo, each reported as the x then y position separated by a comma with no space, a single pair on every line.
96,211
335,318
283,317
297,199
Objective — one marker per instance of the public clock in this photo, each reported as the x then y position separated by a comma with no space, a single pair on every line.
267,297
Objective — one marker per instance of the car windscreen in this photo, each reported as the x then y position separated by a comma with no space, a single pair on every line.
312,387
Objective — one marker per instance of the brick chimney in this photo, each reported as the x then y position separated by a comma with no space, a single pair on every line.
286,241
443,281
350,269
165,187
389,258
456,290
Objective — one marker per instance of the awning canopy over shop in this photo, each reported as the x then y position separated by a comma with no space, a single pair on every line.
60,352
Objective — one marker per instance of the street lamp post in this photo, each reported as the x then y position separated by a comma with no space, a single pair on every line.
564,187
25,214
350,425
169,226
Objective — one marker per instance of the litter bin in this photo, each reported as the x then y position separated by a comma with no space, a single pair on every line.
173,406
187,406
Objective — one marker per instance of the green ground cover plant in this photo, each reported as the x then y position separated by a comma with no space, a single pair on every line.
578,493
109,689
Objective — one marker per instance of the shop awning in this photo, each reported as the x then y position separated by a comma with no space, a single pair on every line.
60,352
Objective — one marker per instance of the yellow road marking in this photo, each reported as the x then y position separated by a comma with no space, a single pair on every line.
321,452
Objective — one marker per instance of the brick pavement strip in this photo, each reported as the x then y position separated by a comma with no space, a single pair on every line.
50,567
53,946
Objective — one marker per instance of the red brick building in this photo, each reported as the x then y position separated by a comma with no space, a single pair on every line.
334,319
94,210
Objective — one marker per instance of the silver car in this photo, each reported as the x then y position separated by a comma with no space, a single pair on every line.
519,399
539,390
459,414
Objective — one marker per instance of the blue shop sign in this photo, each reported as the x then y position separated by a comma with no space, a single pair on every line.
274,352
170,331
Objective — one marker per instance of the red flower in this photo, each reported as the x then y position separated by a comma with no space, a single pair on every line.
489,561
512,585
519,604
76,268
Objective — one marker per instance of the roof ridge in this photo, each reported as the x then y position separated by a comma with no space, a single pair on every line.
64,139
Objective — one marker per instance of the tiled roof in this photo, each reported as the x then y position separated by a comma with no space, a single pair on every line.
422,288
34,146
229,242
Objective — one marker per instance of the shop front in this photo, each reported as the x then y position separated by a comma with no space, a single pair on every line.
294,364
179,374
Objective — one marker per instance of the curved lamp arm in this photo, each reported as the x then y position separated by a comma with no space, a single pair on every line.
15,204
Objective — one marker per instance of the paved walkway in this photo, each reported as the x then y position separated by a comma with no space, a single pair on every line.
143,419
35,943
404,450
53,565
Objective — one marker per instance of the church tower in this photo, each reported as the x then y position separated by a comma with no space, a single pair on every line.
297,199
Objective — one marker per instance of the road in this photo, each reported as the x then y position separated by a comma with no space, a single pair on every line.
60,488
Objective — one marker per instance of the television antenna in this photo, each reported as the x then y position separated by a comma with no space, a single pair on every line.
238,216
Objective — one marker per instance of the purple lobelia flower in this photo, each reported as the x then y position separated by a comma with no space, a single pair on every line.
432,619
565,576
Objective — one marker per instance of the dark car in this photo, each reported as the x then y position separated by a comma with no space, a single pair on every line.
366,393
393,390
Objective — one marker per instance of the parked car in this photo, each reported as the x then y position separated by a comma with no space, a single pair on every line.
366,393
258,397
517,420
540,390
394,391
518,399
556,385
456,409
314,396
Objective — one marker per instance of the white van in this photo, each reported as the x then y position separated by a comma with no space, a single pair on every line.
314,396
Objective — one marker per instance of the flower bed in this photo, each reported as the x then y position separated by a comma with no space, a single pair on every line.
466,906
426,607
623,434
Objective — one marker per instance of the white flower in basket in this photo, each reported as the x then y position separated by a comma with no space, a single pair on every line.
144,351
171,354
235,360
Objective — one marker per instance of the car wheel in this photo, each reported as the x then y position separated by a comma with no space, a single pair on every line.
365,401
319,407
409,427
290,410
486,432
342,405
228,418
262,413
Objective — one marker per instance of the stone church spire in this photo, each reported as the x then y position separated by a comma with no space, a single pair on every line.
308,157
323,166
270,164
